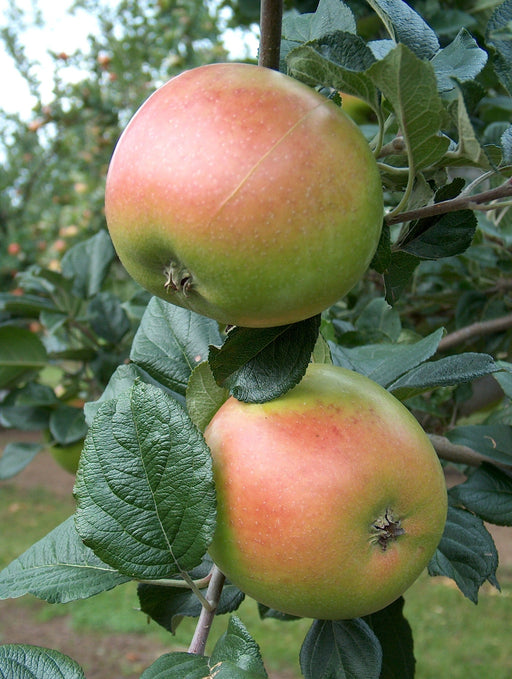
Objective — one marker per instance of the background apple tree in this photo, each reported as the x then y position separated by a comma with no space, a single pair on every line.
430,321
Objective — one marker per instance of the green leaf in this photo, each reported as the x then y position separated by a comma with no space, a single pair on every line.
260,364
469,150
168,605
22,661
498,36
493,441
15,457
382,257
26,306
238,648
122,379
67,425
107,317
340,649
448,371
170,342
398,274
466,554
406,26
385,363
28,408
395,637
330,16
144,486
178,666
411,87
339,60
462,59
487,493
21,353
88,263
448,235
204,396
58,568
379,316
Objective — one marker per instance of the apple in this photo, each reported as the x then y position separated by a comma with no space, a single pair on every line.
356,108
239,193
67,457
331,499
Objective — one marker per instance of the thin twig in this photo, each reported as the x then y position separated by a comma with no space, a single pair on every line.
459,203
271,20
475,330
198,643
458,454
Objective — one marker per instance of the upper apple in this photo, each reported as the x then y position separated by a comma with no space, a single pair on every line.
242,194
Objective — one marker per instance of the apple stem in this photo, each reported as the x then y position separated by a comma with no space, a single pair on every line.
271,19
198,643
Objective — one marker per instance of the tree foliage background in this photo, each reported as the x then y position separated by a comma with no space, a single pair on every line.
431,320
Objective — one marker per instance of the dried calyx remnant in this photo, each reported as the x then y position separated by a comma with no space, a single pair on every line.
386,529
178,278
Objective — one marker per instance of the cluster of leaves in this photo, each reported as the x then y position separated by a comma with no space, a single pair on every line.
440,101
146,501
82,332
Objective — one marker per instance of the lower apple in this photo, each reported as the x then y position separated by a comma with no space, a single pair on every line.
331,498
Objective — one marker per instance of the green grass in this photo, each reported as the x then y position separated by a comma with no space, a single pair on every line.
453,637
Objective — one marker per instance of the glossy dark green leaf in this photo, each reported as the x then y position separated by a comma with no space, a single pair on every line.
58,568
16,456
466,554
382,257
487,493
170,342
449,235
22,661
398,274
144,486
260,364
395,636
341,649
493,441
88,263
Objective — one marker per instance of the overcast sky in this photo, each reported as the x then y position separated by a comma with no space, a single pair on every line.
62,32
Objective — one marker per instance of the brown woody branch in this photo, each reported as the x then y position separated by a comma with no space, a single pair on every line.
452,452
475,330
271,20
459,203
198,643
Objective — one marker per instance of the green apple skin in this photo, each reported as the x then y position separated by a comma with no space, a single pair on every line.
302,484
244,195
67,457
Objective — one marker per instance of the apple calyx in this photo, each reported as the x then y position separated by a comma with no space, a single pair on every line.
387,528
178,278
